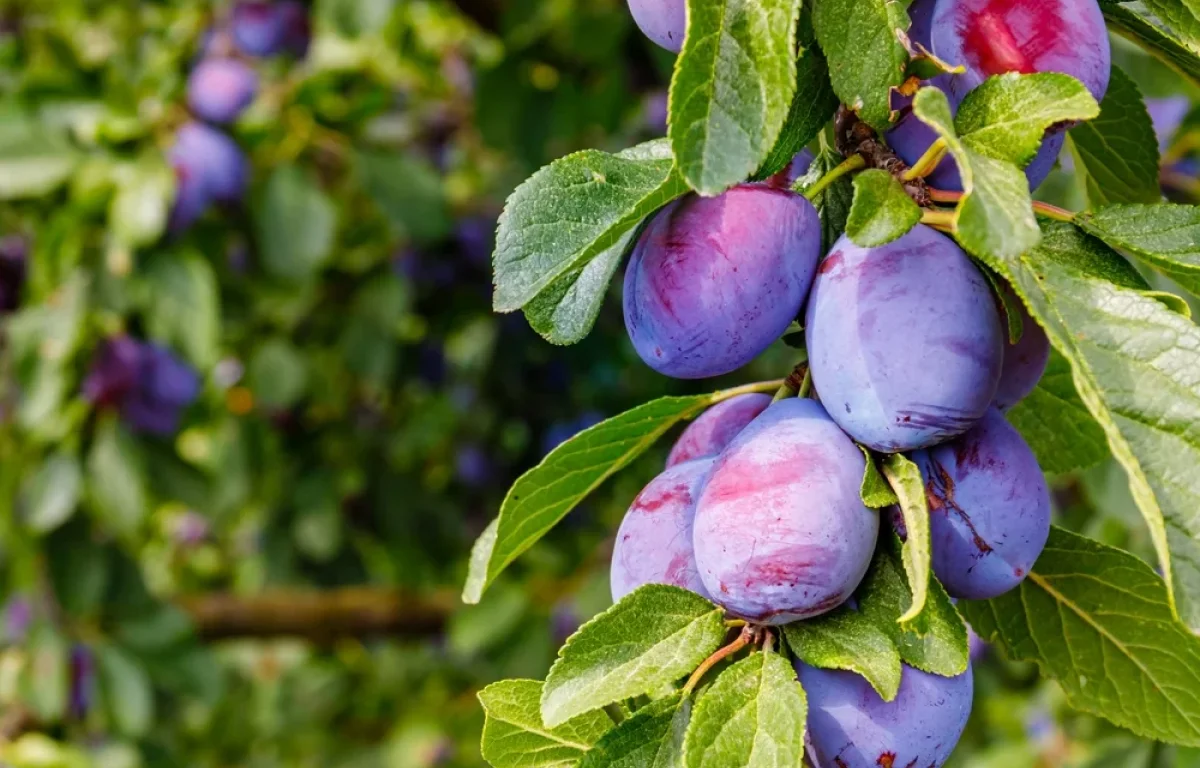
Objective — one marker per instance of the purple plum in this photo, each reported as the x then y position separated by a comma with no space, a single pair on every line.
716,427
851,726
147,383
219,90
1024,362
663,21
654,542
989,509
209,167
904,340
14,256
781,533
1167,114
920,31
992,37
714,281
263,28
790,173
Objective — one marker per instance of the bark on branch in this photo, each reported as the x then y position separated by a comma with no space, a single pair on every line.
319,615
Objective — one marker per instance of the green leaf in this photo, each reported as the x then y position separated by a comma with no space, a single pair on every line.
277,375
514,735
906,481
732,88
652,738
573,210
138,211
882,211
1144,32
875,491
34,159
654,636
812,107
408,192
566,310
1118,151
1180,16
847,639
1134,363
1099,621
53,492
184,306
994,219
545,494
936,641
116,481
832,203
1057,425
46,679
126,689
1006,117
1165,236
864,42
753,716
296,223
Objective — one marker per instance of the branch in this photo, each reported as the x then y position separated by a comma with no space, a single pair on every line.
319,615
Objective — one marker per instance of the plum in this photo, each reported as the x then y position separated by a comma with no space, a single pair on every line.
714,280
264,28
147,382
851,726
1024,362
716,427
219,90
796,167
991,37
920,31
781,533
989,509
1167,115
904,340
214,159
663,21
654,542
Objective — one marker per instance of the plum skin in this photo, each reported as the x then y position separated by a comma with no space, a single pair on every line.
904,341
781,533
992,37
709,434
219,90
209,167
851,726
654,541
663,21
714,281
989,509
1024,362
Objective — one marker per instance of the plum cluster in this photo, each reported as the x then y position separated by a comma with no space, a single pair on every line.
210,168
909,351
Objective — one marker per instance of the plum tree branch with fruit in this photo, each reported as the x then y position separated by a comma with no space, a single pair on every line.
864,173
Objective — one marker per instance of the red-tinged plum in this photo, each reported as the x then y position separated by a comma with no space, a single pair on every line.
992,37
663,21
851,726
989,509
790,173
716,427
219,90
904,340
714,281
654,542
781,533
1024,362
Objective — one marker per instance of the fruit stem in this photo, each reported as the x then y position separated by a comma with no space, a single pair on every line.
794,383
944,195
806,385
742,640
758,386
939,220
927,163
848,165
734,623
1053,212
614,713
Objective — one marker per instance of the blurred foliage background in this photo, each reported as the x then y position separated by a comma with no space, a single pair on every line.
245,444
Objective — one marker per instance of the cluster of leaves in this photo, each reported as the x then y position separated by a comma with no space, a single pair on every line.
1123,381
